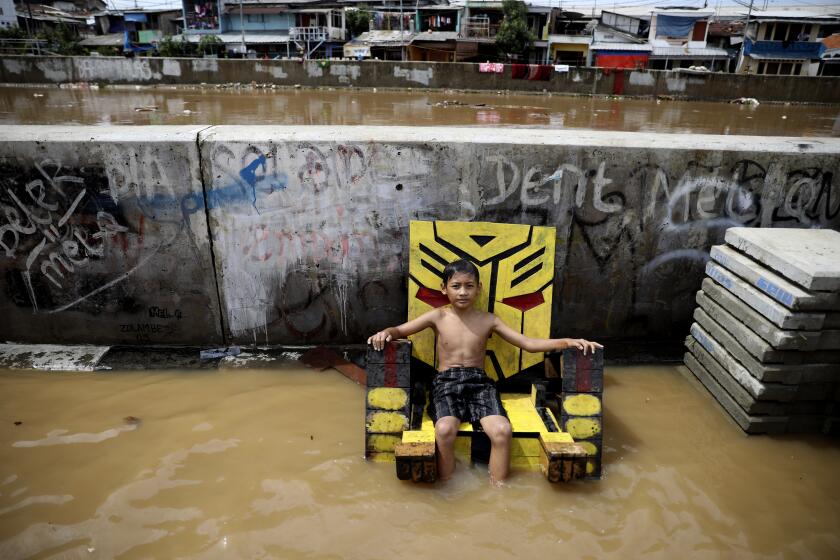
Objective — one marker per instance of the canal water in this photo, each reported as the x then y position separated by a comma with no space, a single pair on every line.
268,464
138,106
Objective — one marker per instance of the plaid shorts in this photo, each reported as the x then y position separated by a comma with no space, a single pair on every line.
465,393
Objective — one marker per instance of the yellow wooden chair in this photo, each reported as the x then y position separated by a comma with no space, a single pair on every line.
516,265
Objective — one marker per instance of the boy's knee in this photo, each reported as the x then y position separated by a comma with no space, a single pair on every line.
500,432
445,430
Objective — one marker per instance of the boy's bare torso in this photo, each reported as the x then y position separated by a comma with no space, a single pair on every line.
462,337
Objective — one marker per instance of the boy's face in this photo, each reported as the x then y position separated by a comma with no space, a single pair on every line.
462,290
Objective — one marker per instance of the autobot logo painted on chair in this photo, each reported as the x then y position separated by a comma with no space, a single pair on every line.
516,264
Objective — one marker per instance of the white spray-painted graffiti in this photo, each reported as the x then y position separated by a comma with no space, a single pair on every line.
414,74
648,229
126,70
65,245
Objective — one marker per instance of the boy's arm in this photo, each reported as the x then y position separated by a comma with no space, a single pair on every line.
541,344
403,331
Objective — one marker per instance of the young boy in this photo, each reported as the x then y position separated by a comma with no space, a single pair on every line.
461,390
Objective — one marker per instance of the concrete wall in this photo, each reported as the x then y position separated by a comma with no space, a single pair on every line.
309,224
103,236
115,70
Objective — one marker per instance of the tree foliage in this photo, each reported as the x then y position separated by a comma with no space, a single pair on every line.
175,48
210,44
514,37
63,40
357,21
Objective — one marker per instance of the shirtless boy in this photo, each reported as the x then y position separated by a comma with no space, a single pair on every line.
461,390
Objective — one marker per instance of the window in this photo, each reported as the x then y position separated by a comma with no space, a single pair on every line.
336,19
785,68
772,68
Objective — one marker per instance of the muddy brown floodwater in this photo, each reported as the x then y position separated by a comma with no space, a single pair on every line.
267,464
30,105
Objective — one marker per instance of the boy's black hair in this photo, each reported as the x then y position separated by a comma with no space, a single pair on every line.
463,266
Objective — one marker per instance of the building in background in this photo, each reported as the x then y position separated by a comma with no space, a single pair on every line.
786,43
830,59
620,40
678,38
134,31
308,28
8,16
570,37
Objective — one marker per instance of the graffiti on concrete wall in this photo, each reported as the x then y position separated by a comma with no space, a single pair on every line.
55,224
108,235
309,237
647,229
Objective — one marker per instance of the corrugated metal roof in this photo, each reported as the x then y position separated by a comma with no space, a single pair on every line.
380,37
108,40
236,38
688,52
435,36
641,47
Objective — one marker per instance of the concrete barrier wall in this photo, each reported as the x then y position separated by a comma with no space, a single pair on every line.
645,83
103,237
309,224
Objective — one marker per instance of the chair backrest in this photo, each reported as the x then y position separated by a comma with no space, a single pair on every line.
516,265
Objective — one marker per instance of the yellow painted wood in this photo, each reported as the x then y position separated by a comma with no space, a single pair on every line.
529,463
387,398
525,447
418,436
382,443
591,448
583,428
463,447
592,451
582,404
522,414
386,422
436,237
381,457
557,437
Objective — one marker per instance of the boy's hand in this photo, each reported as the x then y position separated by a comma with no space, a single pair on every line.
582,344
379,339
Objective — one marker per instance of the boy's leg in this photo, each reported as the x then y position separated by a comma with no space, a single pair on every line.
499,430
446,429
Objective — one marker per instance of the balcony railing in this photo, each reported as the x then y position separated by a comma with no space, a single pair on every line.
309,33
480,30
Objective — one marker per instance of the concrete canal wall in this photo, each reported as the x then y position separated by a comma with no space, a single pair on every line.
583,81
291,235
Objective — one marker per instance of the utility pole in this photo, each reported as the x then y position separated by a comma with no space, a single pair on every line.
744,40
242,29
402,33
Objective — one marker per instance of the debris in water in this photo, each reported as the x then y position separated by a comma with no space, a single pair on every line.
18,422
220,352
37,95
146,108
132,420
311,438
745,101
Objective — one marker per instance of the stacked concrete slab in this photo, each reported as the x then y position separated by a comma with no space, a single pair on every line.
766,336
